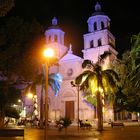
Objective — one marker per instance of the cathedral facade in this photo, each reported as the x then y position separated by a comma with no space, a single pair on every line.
97,40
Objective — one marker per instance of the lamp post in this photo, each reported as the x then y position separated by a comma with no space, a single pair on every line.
78,90
48,53
41,103
20,104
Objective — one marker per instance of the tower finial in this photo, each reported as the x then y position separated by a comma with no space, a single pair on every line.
54,21
97,7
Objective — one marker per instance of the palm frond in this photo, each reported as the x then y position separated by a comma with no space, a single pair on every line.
82,77
104,56
113,74
54,82
95,79
87,64
93,83
110,82
91,100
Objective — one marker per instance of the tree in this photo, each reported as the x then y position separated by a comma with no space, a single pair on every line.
135,60
54,81
20,46
12,112
3,100
128,69
122,67
9,95
6,6
97,82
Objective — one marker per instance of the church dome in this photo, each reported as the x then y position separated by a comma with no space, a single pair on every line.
98,10
54,24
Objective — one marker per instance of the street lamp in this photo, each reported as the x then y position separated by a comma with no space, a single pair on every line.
48,54
78,90
30,95
20,103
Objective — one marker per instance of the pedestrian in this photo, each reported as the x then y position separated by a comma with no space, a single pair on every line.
6,122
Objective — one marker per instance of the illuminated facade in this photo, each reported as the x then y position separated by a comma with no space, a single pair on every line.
96,41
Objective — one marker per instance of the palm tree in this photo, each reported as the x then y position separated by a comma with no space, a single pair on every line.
54,81
97,82
135,60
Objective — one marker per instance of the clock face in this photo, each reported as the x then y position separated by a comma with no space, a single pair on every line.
70,72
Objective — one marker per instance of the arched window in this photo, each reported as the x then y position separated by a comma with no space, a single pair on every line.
99,42
55,38
95,26
102,25
91,44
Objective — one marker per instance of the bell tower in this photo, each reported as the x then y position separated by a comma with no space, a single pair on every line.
99,38
55,38
54,33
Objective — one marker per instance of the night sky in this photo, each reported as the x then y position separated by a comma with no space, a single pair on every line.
72,17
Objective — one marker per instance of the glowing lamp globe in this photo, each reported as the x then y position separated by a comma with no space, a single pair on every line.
30,95
49,52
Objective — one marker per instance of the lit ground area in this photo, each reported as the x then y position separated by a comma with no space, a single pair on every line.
116,133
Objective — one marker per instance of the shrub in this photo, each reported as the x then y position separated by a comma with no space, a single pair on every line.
63,123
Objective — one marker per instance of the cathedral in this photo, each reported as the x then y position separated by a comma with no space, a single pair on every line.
97,40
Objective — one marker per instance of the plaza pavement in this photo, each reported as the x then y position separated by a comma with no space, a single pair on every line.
131,131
